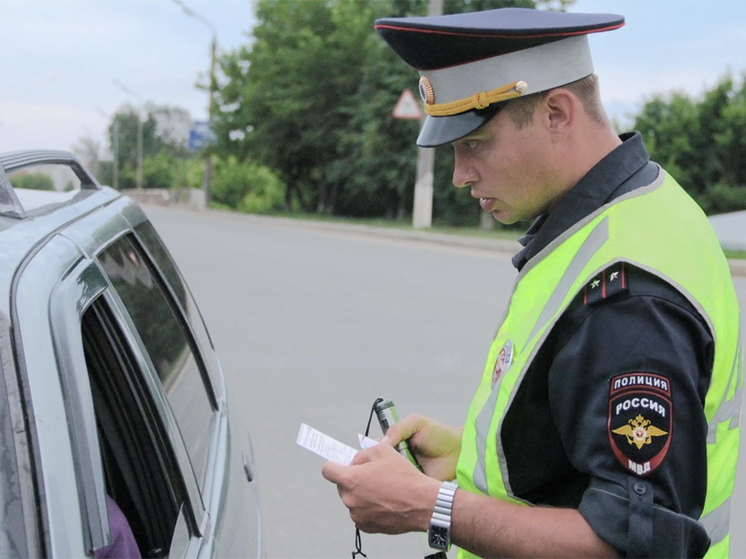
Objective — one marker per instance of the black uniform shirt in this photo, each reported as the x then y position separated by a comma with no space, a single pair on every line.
557,435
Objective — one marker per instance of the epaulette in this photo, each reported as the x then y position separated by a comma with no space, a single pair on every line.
611,282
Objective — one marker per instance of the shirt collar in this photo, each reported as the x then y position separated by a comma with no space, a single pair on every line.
599,186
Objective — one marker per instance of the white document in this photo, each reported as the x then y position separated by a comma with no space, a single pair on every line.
366,442
325,446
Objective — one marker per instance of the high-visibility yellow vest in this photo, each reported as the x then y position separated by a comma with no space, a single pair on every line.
658,228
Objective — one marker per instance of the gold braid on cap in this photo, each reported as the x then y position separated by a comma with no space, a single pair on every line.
478,101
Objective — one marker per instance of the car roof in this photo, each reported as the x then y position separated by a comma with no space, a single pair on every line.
28,218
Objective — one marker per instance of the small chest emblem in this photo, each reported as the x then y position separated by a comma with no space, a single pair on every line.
503,361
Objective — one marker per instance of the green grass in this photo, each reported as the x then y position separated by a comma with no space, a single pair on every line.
737,254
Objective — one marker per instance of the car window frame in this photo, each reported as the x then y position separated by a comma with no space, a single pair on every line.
172,469
207,490
160,401
211,368
35,287
71,297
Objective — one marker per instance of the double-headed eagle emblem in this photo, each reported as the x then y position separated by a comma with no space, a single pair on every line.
639,431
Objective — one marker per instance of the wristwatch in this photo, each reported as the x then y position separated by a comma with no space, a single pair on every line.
439,533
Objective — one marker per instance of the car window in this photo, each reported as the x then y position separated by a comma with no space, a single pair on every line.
140,471
173,277
168,344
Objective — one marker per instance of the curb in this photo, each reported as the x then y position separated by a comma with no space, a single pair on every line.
737,266
496,245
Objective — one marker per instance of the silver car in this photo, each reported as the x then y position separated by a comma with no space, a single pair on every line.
110,389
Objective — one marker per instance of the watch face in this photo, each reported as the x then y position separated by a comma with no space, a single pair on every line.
438,537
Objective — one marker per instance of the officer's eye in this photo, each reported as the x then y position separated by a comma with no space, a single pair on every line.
467,146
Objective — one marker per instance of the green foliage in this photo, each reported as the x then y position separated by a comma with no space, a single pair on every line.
312,97
164,133
247,186
160,170
194,170
33,181
723,198
105,174
701,142
305,123
127,176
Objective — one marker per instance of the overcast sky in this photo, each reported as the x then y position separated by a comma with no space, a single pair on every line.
61,57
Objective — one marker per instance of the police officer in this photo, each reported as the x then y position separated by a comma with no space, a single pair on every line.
611,394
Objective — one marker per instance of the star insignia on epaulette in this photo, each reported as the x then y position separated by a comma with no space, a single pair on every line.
610,282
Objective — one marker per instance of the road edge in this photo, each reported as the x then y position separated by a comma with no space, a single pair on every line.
737,266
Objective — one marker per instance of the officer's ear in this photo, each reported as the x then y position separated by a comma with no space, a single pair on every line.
559,110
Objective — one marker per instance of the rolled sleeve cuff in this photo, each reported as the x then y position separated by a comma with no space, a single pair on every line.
606,508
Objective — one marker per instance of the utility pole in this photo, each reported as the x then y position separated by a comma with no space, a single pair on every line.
114,146
115,172
422,213
207,176
138,174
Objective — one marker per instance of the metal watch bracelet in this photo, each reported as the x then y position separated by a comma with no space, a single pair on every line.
439,533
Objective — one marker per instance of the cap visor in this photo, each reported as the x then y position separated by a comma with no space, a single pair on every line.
440,130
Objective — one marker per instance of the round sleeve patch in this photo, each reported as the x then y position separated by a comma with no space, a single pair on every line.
640,420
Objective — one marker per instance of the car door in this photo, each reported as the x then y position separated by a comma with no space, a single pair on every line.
98,428
151,300
123,405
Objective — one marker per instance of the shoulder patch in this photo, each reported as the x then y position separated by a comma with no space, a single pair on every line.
640,420
609,283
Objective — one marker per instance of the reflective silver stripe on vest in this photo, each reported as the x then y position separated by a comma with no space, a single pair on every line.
482,425
729,409
717,522
590,246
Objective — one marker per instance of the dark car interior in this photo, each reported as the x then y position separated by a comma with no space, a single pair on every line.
140,475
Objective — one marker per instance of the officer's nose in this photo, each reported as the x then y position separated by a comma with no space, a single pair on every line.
463,173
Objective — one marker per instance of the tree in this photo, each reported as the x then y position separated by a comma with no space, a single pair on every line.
293,89
165,131
312,98
701,142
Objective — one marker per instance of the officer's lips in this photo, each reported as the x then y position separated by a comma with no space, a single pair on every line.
487,204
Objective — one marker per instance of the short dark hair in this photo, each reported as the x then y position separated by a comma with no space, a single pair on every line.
521,110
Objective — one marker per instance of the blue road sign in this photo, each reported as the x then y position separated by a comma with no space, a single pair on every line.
201,135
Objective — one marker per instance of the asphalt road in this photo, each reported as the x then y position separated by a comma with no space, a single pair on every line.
312,325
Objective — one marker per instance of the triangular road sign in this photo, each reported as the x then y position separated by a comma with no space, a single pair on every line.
407,107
